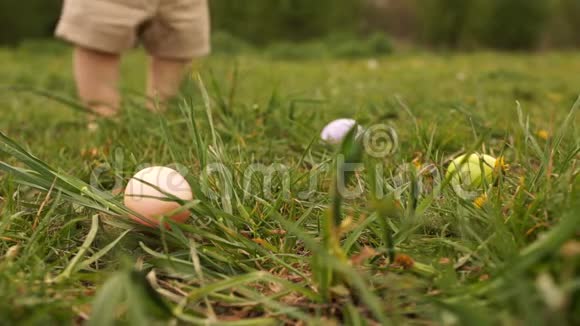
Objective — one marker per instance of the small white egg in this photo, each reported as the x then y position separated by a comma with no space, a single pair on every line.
336,130
151,203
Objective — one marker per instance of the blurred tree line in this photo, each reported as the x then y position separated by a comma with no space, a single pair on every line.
467,24
21,19
504,24
263,21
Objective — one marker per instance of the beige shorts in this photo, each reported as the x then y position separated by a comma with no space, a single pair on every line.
175,29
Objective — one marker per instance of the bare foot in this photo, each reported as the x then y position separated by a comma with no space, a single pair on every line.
100,111
103,110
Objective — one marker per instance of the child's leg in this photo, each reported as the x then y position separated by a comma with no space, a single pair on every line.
101,31
164,78
178,33
97,78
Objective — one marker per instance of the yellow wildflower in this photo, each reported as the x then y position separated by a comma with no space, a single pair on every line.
543,134
500,165
480,201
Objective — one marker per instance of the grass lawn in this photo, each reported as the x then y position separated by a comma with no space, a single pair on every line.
295,249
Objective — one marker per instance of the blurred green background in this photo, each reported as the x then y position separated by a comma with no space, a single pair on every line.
454,24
